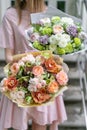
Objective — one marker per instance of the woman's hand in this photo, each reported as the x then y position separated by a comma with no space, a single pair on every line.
9,55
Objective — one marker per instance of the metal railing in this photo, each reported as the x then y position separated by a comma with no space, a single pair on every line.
81,62
85,2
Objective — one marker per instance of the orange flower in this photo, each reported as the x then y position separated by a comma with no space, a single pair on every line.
11,83
14,68
52,66
53,87
41,96
37,70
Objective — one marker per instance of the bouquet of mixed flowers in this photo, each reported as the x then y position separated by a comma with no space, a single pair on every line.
34,78
60,35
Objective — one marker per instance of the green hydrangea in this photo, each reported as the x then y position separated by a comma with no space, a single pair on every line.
60,51
55,19
77,42
69,48
46,31
38,46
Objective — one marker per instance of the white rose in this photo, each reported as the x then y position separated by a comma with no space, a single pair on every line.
58,37
66,20
20,94
53,40
34,81
32,88
62,43
13,95
66,36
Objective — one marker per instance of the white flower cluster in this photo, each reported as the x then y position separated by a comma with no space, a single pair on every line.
67,21
59,39
17,96
35,83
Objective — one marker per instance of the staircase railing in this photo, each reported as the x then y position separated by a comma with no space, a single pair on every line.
85,3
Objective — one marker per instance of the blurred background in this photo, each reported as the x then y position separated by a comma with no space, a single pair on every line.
75,97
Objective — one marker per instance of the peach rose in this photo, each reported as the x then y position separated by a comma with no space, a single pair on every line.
41,96
62,78
14,68
37,70
53,87
11,83
57,29
52,66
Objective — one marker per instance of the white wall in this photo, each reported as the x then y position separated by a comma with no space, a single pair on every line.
4,4
84,18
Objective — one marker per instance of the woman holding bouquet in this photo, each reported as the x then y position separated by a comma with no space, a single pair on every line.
12,39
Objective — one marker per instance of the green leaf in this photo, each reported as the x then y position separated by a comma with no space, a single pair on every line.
36,27
19,74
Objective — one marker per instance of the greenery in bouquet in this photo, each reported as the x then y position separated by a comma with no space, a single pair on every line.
60,35
34,79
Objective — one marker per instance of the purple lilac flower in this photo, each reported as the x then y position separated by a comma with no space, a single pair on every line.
72,30
43,39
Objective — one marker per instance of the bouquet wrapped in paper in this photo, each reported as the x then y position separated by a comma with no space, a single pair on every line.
34,79
58,32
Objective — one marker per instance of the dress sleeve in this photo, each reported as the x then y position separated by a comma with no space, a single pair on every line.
6,34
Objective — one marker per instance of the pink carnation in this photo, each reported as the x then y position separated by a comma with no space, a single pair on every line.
62,78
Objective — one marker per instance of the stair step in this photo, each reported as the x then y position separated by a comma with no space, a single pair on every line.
70,58
74,73
2,55
2,64
1,72
74,120
74,82
73,94
71,64
70,128
75,117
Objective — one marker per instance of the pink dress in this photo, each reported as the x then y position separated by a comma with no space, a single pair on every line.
12,36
